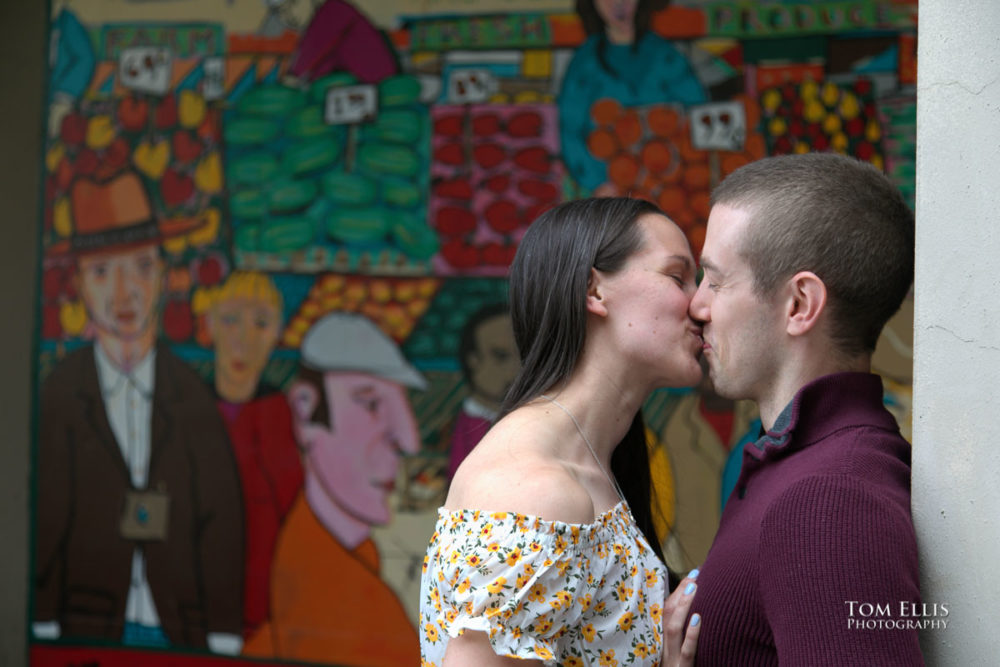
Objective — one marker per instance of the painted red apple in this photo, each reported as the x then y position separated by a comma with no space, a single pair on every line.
531,213
450,153
460,254
175,187
64,175
495,254
454,220
86,162
533,158
448,126
537,189
186,147
820,143
502,216
485,125
133,113
73,129
209,128
117,154
210,271
783,145
864,151
489,155
455,188
178,322
166,112
855,127
525,124
863,87
498,183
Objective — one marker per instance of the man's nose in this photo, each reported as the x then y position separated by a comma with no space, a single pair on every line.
698,308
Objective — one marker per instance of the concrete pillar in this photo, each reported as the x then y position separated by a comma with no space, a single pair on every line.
956,429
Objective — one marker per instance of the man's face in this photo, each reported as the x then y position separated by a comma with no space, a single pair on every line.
741,331
494,361
245,331
356,456
121,290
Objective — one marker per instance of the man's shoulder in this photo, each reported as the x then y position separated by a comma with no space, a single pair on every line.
67,374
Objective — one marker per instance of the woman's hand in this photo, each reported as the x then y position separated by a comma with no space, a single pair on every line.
678,648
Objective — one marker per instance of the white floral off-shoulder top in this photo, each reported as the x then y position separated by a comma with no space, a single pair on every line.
567,594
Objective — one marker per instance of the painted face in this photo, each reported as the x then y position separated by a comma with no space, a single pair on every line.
740,329
244,331
494,362
648,305
121,290
618,16
356,456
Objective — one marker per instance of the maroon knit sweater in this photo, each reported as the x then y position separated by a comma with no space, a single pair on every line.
820,517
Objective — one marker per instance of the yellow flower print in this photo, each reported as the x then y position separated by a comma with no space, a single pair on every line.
656,613
624,591
543,625
562,599
543,653
454,556
475,515
651,578
515,632
572,661
641,607
590,578
547,563
589,632
574,532
586,601
454,577
560,544
607,658
634,570
641,650
522,580
486,530
465,585
562,566
537,593
473,559
427,663
423,568
602,551
507,613
619,549
529,568
450,616
431,631
496,586
535,546
493,547
625,622
599,607
499,516
513,557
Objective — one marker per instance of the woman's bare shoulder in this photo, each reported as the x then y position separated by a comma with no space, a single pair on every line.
510,471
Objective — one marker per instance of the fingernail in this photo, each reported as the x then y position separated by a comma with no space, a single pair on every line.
689,589
693,574
695,620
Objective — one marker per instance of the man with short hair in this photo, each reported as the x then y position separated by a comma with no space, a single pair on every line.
805,259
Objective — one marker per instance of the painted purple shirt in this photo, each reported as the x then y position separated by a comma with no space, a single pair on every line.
340,39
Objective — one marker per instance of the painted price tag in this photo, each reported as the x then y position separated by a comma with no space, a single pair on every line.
350,104
213,78
145,69
718,126
471,86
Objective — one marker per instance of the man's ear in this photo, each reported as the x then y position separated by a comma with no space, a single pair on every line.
595,294
806,302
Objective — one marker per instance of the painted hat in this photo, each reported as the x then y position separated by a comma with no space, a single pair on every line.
352,342
116,213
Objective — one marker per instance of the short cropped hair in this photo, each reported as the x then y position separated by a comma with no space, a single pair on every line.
837,217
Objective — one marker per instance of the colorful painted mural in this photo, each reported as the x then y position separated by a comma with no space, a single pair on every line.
273,307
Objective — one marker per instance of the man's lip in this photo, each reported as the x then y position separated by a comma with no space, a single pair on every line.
125,315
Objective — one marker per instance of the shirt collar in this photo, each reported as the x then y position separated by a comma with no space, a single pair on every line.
821,407
112,378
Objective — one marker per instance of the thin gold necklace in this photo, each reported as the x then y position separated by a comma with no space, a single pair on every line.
586,440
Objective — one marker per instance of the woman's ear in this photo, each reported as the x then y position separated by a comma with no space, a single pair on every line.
806,302
595,294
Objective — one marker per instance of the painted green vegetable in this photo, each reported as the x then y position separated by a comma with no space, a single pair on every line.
245,131
305,156
317,91
291,195
398,90
348,189
247,204
379,159
308,123
287,233
414,237
358,225
396,192
251,169
271,100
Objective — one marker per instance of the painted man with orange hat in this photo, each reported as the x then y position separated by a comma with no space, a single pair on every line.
139,532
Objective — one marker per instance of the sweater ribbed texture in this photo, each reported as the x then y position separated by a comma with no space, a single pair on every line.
820,517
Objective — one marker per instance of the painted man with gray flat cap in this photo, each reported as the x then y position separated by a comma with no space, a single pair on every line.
352,421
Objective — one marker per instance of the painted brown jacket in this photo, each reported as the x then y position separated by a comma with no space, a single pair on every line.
82,563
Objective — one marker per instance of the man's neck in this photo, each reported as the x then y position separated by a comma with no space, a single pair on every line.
345,528
798,374
126,354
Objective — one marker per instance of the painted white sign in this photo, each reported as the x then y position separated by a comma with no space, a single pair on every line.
145,69
350,104
471,86
720,126
213,78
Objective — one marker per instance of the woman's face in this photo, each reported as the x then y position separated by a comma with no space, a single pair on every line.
647,303
619,19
